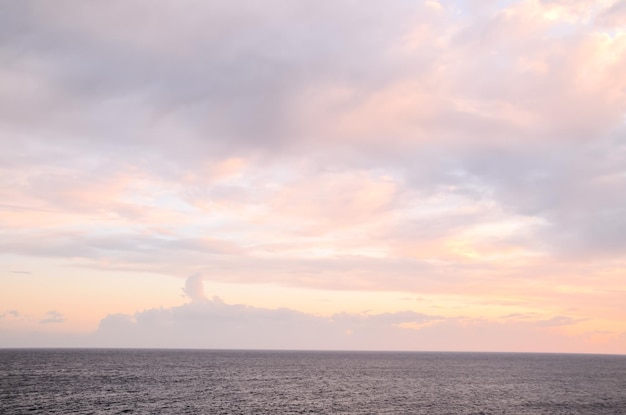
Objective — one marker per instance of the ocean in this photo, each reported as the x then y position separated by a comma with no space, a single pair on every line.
71,381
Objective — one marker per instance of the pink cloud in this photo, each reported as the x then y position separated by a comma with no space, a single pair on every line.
422,147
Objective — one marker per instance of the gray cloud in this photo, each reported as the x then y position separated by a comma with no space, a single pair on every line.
214,324
237,68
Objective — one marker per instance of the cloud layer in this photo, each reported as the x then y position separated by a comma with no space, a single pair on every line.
215,324
438,147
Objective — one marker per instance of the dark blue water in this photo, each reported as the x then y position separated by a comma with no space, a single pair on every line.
265,382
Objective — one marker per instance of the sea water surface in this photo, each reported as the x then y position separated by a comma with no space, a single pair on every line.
67,381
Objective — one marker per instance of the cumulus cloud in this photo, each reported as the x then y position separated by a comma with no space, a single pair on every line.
194,288
215,324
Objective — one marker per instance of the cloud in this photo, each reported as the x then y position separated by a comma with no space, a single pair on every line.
614,16
215,324
52,317
10,314
194,288
535,320
125,247
414,146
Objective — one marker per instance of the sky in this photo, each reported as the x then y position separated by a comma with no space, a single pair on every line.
296,174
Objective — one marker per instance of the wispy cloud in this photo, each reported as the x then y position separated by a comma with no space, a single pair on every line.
52,317
10,314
